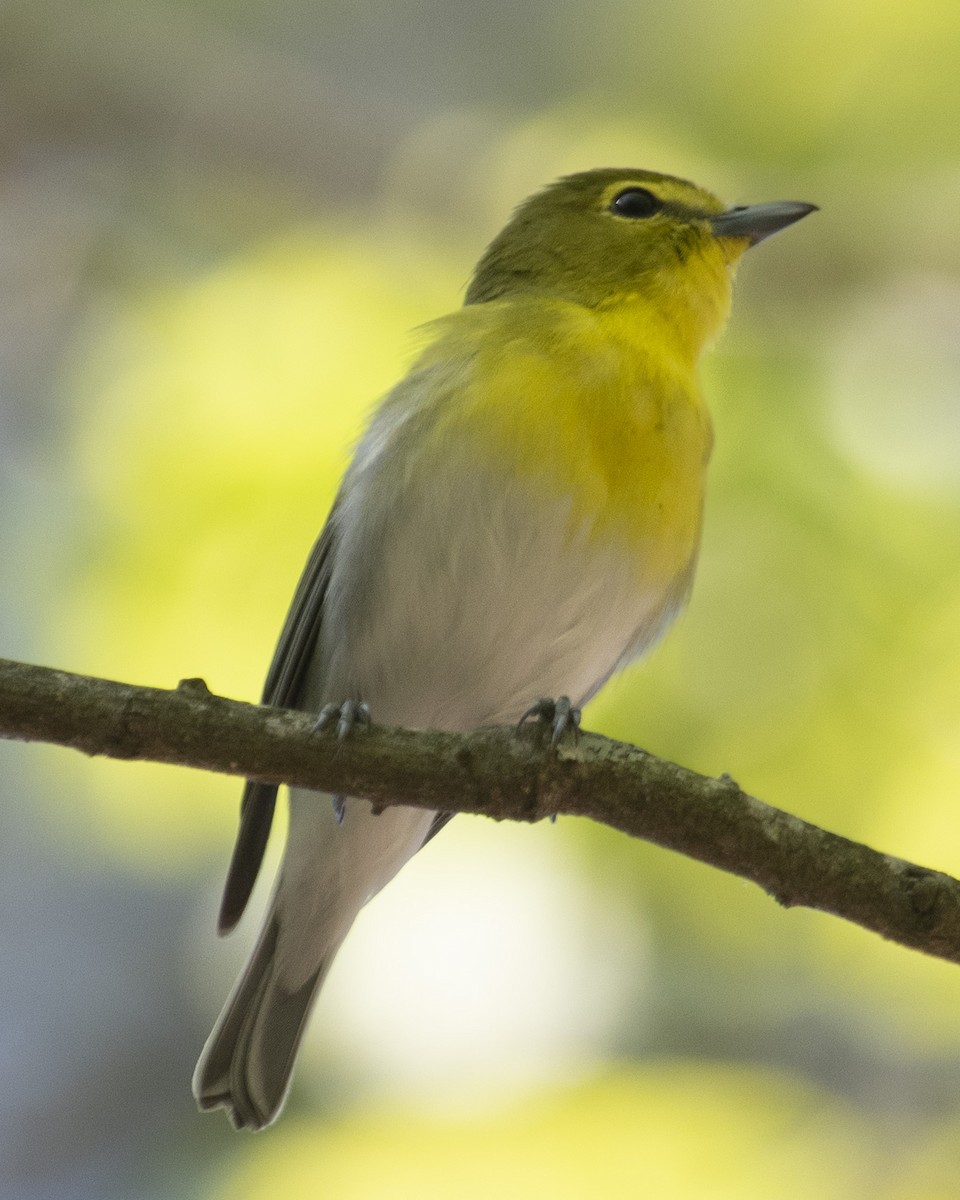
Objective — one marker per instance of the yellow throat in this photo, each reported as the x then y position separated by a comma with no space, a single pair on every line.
576,352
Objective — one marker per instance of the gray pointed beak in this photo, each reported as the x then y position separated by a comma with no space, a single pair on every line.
759,221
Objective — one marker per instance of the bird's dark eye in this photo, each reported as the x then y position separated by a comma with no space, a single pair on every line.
636,202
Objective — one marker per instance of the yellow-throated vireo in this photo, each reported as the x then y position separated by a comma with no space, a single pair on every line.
520,519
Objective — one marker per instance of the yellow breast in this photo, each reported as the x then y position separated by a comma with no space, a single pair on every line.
601,410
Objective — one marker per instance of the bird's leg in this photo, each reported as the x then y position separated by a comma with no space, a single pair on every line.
348,715
559,714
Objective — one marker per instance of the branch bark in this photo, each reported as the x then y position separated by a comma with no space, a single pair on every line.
501,773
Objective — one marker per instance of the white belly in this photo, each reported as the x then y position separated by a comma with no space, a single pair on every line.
459,613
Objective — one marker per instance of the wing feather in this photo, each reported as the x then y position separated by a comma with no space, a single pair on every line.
283,689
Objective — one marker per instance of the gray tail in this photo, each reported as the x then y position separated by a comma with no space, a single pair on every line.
248,1060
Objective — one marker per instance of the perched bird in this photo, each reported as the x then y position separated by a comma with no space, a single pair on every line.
520,520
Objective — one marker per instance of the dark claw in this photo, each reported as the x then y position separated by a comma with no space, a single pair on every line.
559,714
325,716
339,807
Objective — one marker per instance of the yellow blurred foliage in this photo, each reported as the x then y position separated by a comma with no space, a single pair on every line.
212,424
678,1131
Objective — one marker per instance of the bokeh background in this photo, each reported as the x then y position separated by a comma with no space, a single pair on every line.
219,221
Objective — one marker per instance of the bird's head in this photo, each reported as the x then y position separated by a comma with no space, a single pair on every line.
609,236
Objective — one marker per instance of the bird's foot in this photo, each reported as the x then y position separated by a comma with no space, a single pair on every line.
559,714
348,715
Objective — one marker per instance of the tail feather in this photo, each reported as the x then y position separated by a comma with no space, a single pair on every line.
248,1060
330,869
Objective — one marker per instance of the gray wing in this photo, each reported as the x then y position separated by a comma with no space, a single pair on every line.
283,689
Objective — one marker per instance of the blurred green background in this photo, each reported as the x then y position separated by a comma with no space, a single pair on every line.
219,222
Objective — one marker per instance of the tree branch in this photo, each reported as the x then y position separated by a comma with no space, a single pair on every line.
501,773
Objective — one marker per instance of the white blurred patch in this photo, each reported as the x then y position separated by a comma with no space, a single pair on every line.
896,385
487,965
